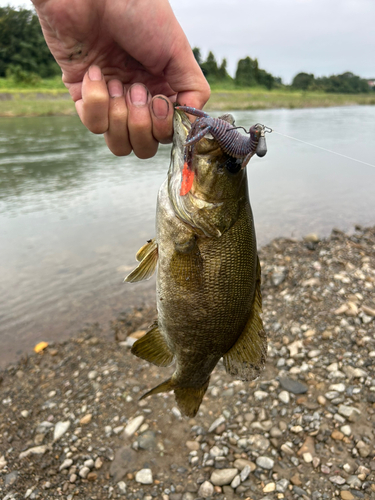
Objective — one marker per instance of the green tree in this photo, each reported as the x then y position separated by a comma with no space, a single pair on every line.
246,72
303,81
209,67
23,50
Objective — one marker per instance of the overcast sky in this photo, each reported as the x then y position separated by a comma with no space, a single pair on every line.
323,37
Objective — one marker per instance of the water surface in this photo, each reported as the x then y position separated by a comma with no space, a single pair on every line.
72,215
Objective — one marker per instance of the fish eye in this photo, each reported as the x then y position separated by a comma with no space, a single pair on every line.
233,165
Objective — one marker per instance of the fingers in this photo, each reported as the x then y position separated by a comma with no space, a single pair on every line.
162,119
131,121
93,108
117,137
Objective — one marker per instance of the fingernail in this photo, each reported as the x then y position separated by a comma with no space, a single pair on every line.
115,88
138,94
160,107
95,73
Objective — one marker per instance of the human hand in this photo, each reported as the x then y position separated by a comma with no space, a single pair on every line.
124,63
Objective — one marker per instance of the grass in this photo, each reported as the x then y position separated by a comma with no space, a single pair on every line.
50,97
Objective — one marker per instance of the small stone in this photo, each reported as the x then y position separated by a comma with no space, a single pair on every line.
269,488
260,395
337,480
192,445
286,449
311,238
89,463
176,412
92,476
313,353
316,462
349,412
133,425
144,476
241,463
337,387
307,457
222,477
60,429
121,486
346,430
83,472
98,463
66,464
73,478
3,462
265,462
282,485
92,374
24,413
215,424
206,489
346,495
337,435
11,478
296,429
36,450
236,482
86,419
245,473
284,397
293,386
354,482
296,480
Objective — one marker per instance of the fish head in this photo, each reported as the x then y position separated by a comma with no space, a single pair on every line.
219,182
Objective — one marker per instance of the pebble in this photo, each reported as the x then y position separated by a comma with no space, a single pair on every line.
83,472
284,397
133,425
92,374
337,435
60,429
236,482
241,463
144,476
265,462
337,480
346,495
206,489
269,488
216,423
146,441
348,411
222,477
293,386
354,482
192,445
346,430
86,419
282,485
36,450
3,462
121,486
66,464
245,473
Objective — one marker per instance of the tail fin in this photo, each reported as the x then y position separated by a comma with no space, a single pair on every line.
188,399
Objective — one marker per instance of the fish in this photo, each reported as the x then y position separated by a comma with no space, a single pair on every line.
208,284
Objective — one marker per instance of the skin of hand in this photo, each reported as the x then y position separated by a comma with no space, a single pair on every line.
124,63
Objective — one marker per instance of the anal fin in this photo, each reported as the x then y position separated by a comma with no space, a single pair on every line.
148,256
153,348
247,357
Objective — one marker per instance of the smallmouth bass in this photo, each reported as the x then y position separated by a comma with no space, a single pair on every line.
208,273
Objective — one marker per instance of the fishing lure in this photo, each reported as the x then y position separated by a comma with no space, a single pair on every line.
228,137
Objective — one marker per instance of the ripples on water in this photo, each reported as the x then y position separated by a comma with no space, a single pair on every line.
72,215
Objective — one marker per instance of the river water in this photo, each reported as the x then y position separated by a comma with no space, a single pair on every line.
72,215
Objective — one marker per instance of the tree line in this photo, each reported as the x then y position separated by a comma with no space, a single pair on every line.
25,57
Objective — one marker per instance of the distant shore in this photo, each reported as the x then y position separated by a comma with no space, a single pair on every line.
50,102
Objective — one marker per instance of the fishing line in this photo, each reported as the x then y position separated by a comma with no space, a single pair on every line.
324,149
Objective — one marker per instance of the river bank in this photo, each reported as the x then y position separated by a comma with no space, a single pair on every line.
71,424
49,102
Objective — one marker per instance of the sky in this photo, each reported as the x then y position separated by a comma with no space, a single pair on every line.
287,37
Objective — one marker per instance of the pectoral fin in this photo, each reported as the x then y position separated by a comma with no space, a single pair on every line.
248,355
153,348
148,256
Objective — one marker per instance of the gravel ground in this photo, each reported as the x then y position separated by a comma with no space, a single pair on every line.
71,424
